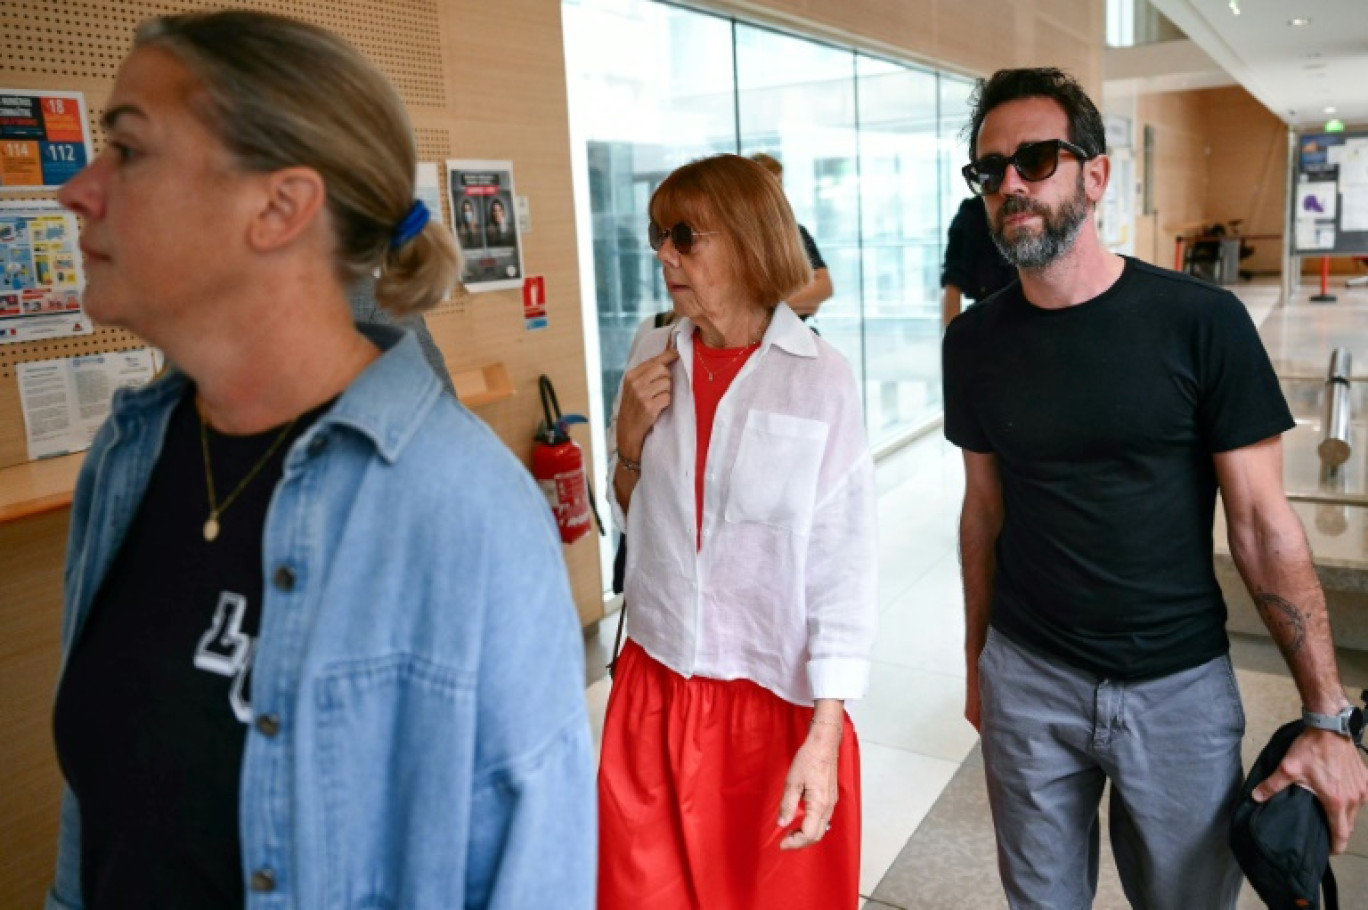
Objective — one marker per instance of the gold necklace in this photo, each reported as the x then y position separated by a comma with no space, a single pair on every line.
743,352
730,363
211,524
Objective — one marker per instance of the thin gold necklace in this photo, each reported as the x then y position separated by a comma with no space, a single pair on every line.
729,364
742,353
211,524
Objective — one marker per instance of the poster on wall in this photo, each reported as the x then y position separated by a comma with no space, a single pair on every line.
40,273
483,222
1318,153
65,400
1329,203
44,139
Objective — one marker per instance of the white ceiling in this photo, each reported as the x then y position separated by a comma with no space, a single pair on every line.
1296,72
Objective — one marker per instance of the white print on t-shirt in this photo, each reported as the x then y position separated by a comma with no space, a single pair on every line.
224,650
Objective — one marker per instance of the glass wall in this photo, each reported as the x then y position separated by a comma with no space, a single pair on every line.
651,87
901,242
871,150
796,101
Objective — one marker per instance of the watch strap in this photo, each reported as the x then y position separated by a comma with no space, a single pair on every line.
1347,723
1335,723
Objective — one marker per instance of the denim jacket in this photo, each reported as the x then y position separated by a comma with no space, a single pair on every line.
421,738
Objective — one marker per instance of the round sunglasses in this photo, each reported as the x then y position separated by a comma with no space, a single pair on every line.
1034,161
681,235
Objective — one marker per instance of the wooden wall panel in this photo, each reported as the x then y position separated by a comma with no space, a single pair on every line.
1220,155
1180,165
1246,170
30,588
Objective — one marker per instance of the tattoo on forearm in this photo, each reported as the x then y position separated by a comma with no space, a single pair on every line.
1288,622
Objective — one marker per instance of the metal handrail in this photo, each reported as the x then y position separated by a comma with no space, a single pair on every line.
1335,447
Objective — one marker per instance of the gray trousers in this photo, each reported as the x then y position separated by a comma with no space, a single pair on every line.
1053,736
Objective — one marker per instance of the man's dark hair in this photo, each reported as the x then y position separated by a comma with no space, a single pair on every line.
1085,123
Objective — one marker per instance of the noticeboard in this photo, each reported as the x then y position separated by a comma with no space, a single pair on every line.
1330,195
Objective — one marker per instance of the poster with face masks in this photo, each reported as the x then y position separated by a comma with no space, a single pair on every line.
40,273
485,224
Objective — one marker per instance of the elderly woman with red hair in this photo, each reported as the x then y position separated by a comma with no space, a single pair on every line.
742,475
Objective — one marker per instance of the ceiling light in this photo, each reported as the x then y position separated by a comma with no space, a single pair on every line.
1299,21
1235,7
1330,110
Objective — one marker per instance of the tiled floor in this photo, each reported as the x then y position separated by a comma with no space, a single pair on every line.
927,838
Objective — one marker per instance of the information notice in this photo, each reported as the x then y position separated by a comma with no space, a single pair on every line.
65,401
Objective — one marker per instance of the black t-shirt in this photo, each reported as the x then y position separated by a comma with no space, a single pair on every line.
152,711
1104,418
973,262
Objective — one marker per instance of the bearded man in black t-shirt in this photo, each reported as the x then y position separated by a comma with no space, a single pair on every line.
1101,403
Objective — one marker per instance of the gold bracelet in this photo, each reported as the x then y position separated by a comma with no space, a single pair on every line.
629,464
826,723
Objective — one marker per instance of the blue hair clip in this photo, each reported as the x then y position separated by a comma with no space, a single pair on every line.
411,226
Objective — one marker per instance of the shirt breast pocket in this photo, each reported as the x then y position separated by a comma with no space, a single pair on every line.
774,479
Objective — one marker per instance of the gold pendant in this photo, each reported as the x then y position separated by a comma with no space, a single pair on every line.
211,529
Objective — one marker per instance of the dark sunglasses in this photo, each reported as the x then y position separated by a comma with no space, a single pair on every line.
681,235
1034,161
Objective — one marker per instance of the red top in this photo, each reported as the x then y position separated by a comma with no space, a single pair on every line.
713,372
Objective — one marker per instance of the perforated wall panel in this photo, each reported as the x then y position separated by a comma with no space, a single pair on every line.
88,39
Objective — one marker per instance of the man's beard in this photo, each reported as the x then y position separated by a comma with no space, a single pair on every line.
1061,224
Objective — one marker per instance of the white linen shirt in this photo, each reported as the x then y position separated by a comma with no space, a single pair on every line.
782,590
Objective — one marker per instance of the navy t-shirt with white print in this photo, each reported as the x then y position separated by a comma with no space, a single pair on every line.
154,705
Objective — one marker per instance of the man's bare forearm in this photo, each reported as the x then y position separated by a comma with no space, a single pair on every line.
977,562
1277,569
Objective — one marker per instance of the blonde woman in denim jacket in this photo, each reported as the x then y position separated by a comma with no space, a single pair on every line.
320,649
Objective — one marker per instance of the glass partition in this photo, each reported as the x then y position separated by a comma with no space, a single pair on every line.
796,101
651,87
901,241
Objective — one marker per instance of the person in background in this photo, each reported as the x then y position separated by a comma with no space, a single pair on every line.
366,309
808,299
751,589
1100,405
974,266
319,646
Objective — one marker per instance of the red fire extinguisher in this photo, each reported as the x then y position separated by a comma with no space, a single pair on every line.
558,466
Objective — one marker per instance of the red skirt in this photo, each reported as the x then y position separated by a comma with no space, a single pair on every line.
690,780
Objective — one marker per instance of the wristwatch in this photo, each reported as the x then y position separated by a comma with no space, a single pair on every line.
1348,722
